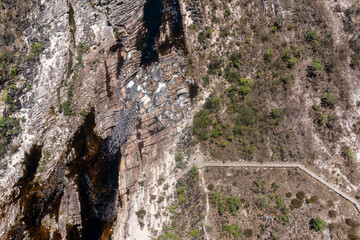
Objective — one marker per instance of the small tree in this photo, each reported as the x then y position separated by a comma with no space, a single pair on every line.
141,214
268,56
263,202
317,224
330,100
311,35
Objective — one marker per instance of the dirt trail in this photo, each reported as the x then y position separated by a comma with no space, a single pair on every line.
198,160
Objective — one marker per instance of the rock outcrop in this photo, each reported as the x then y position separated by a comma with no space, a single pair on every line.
100,110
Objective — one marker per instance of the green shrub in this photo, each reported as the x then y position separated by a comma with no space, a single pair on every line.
244,90
216,198
234,204
288,53
215,64
216,132
315,65
275,186
81,48
263,202
318,224
180,190
224,144
275,113
180,164
224,32
194,172
14,71
273,234
300,195
83,112
351,222
181,199
299,51
291,62
221,209
208,33
211,186
36,49
296,203
203,134
9,127
212,104
274,29
311,35
313,199
231,231
286,79
246,115
280,201
200,123
348,152
288,194
248,233
353,236
66,108
235,58
265,37
227,13
330,100
268,56
179,157
195,232
323,119
203,35
244,81
141,214
231,76
238,130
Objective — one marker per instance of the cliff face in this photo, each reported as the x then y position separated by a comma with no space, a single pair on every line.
99,92
97,98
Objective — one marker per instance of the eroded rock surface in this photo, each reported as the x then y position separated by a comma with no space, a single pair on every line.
96,117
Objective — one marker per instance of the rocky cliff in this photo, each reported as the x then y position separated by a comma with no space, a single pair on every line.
97,98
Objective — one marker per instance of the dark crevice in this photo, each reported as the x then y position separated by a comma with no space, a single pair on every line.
138,136
70,64
36,201
193,91
172,16
72,23
72,232
96,170
120,59
159,13
31,162
146,40
107,78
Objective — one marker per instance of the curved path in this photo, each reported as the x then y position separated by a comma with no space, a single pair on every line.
198,160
